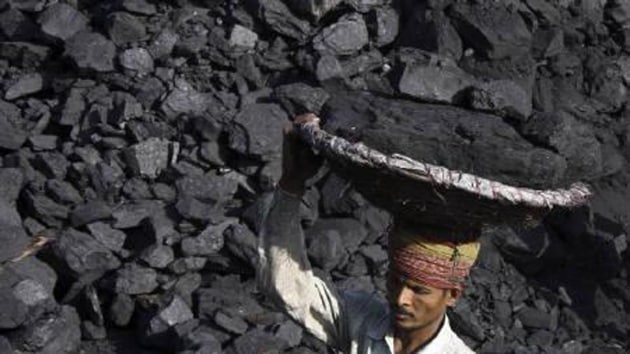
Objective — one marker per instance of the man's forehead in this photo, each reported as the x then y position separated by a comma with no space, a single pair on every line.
406,280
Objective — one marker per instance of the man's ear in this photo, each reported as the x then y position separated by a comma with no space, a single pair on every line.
452,296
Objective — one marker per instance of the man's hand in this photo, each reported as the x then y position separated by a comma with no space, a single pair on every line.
299,163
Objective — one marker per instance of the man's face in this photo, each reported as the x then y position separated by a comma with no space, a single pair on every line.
417,305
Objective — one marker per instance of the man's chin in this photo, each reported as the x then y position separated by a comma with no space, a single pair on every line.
405,323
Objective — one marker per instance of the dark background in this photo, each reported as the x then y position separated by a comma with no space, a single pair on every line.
141,140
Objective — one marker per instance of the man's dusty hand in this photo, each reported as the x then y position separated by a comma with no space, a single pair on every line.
299,163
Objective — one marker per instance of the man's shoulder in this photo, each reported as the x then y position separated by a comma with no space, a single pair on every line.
451,342
457,346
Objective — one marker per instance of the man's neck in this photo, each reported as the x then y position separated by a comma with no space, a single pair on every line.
410,341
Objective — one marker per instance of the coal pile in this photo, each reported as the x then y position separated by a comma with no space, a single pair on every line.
141,140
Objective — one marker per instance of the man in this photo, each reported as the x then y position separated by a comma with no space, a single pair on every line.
425,277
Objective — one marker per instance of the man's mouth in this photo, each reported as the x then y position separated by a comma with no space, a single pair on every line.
402,315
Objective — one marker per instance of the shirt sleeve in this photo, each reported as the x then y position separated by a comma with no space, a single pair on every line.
284,274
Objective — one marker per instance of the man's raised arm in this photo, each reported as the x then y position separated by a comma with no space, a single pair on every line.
284,272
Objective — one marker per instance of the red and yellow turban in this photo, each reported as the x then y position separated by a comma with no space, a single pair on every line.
442,265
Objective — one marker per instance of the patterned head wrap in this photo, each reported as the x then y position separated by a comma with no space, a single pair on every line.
442,265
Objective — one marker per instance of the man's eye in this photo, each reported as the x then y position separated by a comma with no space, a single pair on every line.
420,290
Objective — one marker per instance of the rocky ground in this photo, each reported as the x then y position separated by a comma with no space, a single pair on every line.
140,140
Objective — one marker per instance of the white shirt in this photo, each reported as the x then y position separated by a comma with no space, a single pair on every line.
351,322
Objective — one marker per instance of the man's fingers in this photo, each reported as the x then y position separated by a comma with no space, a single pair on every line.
305,118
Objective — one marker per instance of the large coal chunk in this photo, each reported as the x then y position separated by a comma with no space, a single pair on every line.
90,50
328,68
202,340
301,98
313,9
158,256
327,251
187,265
43,142
242,243
163,43
546,12
242,38
149,158
155,229
290,332
572,139
51,164
529,251
56,332
193,209
62,21
491,29
502,97
605,79
184,99
137,189
230,324
138,60
12,137
256,130
465,321
107,235
89,212
125,108
16,26
13,312
45,209
345,37
26,291
367,5
458,139
385,23
366,63
11,182
209,187
438,34
133,214
352,233
23,54
230,298
258,338
121,309
13,239
133,279
73,107
608,314
63,192
431,78
140,7
159,320
532,317
5,345
9,214
26,85
617,13
280,18
124,28
82,256
208,242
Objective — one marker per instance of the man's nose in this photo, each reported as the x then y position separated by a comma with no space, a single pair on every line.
404,296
